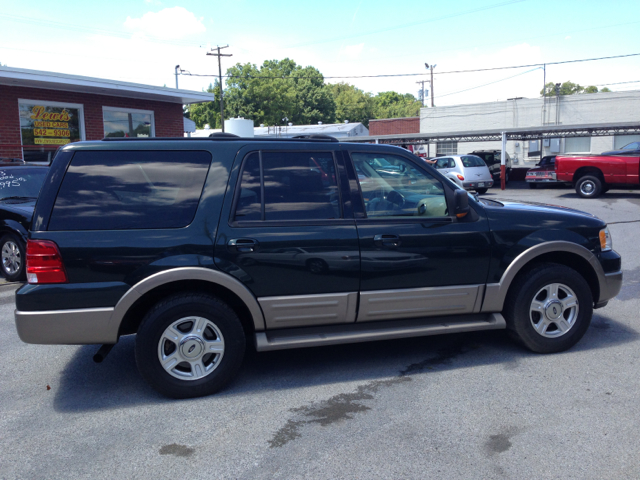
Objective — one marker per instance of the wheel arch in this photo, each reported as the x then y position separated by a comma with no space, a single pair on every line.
561,252
583,171
129,311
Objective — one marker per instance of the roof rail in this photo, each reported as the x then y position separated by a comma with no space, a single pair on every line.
327,138
224,135
220,137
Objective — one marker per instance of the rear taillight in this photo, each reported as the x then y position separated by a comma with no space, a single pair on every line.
459,176
44,263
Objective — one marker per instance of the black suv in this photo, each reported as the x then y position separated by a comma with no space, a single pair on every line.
197,245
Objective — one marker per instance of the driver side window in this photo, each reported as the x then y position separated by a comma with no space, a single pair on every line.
393,187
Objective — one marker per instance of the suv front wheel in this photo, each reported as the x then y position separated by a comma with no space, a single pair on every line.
549,308
189,345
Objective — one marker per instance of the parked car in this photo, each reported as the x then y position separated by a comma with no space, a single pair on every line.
593,175
493,158
632,148
166,239
543,173
19,187
467,171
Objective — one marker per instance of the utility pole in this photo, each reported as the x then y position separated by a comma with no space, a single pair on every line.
421,82
177,67
218,54
431,67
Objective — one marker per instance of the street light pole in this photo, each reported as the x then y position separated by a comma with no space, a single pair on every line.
177,67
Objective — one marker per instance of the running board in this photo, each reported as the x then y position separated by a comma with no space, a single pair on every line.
370,331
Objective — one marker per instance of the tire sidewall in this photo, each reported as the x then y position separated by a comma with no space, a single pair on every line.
164,314
21,272
597,186
520,322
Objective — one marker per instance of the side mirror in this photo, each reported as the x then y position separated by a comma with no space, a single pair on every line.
461,203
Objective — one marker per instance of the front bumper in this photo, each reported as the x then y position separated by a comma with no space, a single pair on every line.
610,287
67,327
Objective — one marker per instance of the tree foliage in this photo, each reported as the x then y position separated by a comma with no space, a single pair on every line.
396,105
352,103
278,89
207,113
281,89
569,88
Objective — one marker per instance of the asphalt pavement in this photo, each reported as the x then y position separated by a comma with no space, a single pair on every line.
456,406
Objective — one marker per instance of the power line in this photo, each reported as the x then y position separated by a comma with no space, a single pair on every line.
490,83
419,74
617,83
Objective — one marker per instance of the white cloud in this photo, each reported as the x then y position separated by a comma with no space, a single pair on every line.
568,37
169,23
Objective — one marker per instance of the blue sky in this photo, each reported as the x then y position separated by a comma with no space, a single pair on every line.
142,41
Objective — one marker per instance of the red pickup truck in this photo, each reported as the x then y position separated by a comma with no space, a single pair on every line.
593,175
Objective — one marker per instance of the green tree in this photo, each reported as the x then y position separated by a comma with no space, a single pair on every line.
208,112
605,89
278,89
566,88
352,103
396,105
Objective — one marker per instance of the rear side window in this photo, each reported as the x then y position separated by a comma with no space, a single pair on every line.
130,190
472,161
281,186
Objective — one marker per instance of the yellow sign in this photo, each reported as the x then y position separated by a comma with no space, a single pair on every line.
51,141
39,112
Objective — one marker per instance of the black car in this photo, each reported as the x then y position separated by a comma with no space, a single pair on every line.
632,148
19,187
196,245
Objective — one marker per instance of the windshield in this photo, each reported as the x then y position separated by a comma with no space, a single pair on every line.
21,181
472,161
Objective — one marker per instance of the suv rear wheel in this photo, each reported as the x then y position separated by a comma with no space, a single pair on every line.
189,345
549,308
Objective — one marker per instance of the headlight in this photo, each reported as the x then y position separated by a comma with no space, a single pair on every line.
606,244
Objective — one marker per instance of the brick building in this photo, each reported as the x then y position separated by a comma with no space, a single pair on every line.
39,111
394,126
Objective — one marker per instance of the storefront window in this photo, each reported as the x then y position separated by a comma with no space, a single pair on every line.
127,123
45,126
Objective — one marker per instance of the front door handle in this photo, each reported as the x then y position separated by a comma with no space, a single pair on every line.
387,240
242,245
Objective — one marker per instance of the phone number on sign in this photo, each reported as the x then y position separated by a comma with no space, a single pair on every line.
46,132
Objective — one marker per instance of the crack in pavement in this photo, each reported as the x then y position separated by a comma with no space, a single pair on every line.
345,405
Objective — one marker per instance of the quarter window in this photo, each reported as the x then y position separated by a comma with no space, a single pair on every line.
281,186
393,186
105,190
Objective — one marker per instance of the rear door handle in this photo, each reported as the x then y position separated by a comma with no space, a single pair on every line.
242,245
387,240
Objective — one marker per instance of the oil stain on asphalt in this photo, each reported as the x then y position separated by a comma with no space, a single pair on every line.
345,405
177,450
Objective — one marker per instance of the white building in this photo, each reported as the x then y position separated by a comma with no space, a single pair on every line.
565,111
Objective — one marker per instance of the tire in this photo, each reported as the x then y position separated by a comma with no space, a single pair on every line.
533,185
13,258
589,187
481,191
531,309
506,176
180,330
